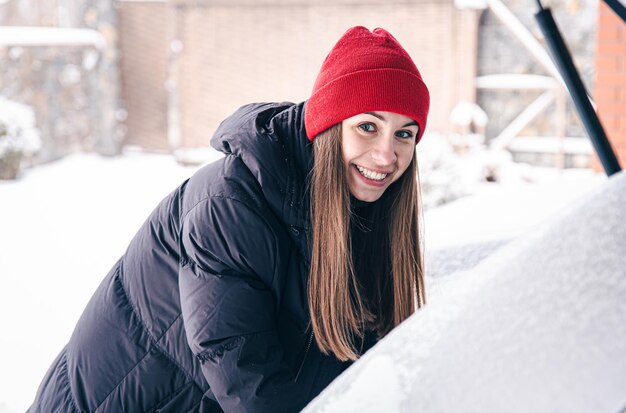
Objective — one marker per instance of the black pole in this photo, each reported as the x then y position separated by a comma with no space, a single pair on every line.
618,8
574,84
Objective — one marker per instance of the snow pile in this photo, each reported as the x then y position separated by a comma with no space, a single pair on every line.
453,166
63,226
503,210
442,178
539,326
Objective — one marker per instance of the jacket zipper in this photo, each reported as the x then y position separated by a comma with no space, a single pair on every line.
306,353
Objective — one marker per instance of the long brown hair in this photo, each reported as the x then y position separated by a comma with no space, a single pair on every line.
339,305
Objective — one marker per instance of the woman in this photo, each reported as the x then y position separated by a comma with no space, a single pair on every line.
261,278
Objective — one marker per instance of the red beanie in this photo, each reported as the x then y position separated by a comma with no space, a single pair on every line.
366,71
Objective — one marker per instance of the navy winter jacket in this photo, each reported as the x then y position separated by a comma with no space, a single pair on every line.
207,310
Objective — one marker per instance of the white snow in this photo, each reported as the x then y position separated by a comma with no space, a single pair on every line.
18,133
551,144
503,211
64,224
539,326
50,36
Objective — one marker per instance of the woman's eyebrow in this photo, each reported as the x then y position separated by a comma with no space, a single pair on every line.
381,117
376,115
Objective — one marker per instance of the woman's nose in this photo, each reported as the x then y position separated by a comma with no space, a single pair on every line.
384,152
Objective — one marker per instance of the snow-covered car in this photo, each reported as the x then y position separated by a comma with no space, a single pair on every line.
537,326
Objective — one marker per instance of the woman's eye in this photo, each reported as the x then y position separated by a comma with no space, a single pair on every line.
405,134
367,127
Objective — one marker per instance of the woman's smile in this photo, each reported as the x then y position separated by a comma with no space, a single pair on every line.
370,177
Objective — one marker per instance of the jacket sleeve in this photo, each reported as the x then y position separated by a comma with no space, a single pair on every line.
228,301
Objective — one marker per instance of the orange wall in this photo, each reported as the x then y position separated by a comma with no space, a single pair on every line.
610,82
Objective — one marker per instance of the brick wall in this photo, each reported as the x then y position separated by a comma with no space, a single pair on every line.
610,82
143,67
238,52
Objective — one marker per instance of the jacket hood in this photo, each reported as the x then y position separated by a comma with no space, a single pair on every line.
271,140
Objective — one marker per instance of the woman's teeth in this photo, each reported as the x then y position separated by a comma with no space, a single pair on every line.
376,176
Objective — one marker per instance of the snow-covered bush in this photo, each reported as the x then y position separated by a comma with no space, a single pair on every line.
452,166
444,175
19,137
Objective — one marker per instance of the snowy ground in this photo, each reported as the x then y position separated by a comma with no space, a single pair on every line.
64,224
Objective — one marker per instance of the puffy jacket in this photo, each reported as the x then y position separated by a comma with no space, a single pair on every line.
206,310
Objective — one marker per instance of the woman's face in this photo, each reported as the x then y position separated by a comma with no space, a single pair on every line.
377,148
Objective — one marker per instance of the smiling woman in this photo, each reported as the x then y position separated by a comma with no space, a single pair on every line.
265,275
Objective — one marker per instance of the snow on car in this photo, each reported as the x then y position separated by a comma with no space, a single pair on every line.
539,325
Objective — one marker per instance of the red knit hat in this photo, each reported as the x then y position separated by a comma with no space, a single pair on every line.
366,71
